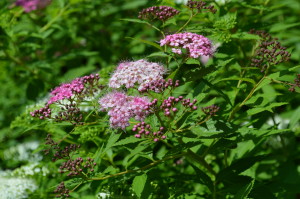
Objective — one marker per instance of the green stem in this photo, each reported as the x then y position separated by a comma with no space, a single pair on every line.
48,25
140,169
156,28
239,106
17,61
188,21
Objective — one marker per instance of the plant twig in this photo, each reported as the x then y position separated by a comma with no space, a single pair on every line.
139,169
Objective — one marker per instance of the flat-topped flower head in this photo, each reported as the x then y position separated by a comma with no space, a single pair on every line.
30,5
162,13
139,72
122,107
195,45
75,87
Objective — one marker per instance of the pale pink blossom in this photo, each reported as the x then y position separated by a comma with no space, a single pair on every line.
196,45
139,72
121,108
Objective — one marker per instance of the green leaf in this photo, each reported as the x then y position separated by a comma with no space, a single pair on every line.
34,87
295,118
277,27
138,184
203,177
256,110
146,42
268,81
158,54
236,78
128,140
218,90
135,20
111,141
245,36
244,192
294,68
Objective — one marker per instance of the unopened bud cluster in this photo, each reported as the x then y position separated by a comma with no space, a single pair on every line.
168,105
69,112
78,166
42,113
162,13
297,84
144,130
159,85
62,191
210,110
59,153
270,51
200,5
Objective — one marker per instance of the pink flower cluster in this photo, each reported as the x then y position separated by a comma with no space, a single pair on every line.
122,107
30,5
196,45
67,90
140,72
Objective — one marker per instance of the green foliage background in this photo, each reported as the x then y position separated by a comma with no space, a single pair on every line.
72,38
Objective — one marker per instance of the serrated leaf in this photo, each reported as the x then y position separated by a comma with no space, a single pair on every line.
135,20
268,81
218,90
245,36
237,79
138,184
295,118
256,110
128,140
244,192
146,42
203,177
158,54
294,68
111,141
282,26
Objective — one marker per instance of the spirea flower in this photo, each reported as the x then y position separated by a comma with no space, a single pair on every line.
195,45
30,5
121,108
139,72
77,86
162,13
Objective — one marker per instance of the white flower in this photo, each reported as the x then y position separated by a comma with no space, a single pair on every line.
16,188
23,152
30,170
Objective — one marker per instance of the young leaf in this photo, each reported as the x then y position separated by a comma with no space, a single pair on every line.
138,184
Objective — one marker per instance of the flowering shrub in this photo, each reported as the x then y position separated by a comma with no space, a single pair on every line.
206,105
